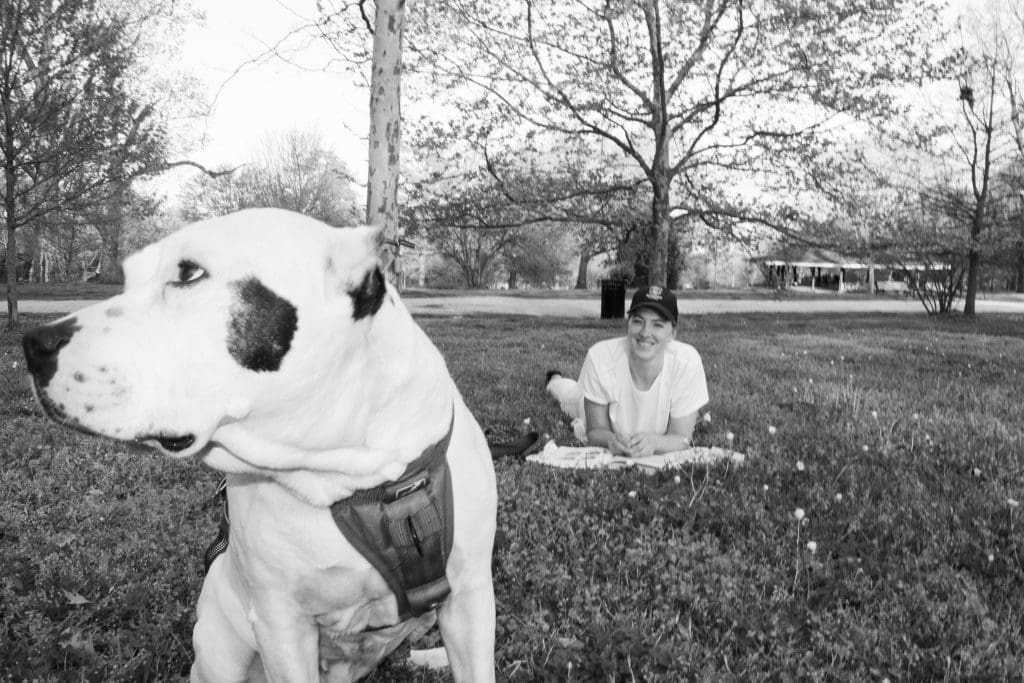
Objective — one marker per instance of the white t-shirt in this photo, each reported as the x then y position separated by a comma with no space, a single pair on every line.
679,390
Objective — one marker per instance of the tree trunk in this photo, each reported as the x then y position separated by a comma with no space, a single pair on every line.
35,252
385,127
973,266
12,249
974,256
513,278
110,264
1020,272
657,242
673,260
581,271
12,274
110,234
70,252
660,177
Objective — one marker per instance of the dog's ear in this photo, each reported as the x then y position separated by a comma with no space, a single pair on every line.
353,268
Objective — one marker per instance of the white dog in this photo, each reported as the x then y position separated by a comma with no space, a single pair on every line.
268,345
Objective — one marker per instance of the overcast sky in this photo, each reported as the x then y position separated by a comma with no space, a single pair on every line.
271,97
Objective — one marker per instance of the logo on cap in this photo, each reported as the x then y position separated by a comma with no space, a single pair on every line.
654,293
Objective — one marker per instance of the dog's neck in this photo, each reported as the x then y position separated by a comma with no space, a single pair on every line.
387,399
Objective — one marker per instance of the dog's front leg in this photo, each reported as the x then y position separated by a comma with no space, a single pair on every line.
222,636
466,619
289,647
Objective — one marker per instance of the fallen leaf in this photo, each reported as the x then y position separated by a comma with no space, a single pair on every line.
74,598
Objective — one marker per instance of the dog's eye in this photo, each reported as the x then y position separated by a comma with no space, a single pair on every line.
189,272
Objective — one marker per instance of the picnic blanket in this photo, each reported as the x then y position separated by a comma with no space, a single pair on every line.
592,457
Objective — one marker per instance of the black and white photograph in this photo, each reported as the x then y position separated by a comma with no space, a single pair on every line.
537,340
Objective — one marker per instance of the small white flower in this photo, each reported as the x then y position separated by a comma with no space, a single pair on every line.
812,546
991,557
1012,503
839,498
799,514
707,417
676,479
765,488
810,380
864,448
526,421
771,429
729,436
631,494
916,416
14,365
874,414
799,465
976,472
831,362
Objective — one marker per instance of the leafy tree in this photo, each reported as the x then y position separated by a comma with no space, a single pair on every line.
465,220
683,91
516,196
537,257
62,64
80,117
297,172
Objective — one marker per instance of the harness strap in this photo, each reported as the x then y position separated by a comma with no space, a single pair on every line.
404,529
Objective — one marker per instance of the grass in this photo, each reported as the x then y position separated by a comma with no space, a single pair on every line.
898,437
58,291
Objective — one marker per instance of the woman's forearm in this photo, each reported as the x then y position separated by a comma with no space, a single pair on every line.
666,443
600,437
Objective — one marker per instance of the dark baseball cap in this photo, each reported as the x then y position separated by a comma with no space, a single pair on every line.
657,299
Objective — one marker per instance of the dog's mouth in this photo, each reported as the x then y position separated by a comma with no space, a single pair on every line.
174,443
167,441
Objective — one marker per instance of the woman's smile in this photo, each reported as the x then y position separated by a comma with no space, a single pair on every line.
649,334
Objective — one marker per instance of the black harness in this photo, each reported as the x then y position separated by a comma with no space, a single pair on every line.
403,528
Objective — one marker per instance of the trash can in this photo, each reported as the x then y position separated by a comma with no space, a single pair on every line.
613,298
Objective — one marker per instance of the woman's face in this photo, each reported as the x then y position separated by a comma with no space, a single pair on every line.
649,334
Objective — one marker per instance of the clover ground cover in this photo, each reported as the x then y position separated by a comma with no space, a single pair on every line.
898,440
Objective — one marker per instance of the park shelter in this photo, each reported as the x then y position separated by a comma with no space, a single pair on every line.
819,268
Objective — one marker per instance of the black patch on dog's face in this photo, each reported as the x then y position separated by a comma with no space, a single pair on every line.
369,295
261,328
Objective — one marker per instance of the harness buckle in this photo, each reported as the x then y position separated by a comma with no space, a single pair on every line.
411,487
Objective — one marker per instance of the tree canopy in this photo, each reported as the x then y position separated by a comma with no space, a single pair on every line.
695,99
75,125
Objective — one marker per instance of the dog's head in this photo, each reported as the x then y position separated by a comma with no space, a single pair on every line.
247,316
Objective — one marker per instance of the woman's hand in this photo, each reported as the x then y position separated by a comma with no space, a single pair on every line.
642,444
618,444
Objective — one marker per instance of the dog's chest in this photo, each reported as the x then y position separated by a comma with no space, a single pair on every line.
296,550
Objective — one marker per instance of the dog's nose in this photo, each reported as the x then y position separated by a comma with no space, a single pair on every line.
41,346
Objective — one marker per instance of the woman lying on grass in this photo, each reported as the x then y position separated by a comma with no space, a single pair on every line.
639,394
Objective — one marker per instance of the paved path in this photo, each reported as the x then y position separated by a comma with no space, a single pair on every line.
591,308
